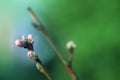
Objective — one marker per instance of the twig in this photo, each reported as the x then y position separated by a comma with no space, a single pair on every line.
28,44
70,46
39,26
69,67
41,68
70,57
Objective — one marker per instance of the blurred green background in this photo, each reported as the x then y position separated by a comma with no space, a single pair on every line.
92,24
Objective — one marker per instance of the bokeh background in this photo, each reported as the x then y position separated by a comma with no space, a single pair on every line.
92,24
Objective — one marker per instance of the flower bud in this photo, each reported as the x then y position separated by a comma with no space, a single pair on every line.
26,43
31,54
18,43
70,45
38,66
30,39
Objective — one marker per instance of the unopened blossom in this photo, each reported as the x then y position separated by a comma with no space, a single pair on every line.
19,43
31,54
70,45
25,42
30,38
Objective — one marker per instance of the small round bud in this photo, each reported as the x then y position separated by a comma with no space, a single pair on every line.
70,45
30,36
38,66
30,39
18,43
30,54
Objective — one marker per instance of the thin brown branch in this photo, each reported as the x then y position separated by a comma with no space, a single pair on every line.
36,20
69,67
27,43
43,70
72,74
70,57
41,29
63,61
38,26
40,66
